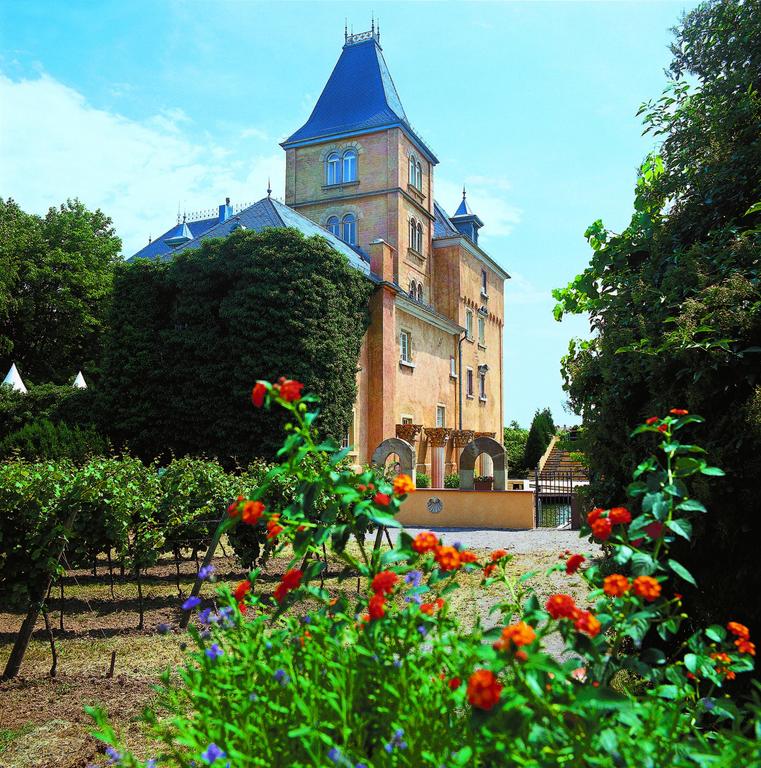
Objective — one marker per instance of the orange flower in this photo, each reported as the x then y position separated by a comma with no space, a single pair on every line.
273,526
290,389
384,582
745,646
616,585
258,393
291,579
595,514
489,569
602,528
425,542
647,587
234,509
678,412
740,630
483,689
652,420
498,554
516,634
429,608
252,511
403,485
242,590
573,563
467,557
377,606
723,659
382,499
448,558
619,516
587,623
560,606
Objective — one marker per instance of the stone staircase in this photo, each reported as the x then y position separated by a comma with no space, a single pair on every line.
558,460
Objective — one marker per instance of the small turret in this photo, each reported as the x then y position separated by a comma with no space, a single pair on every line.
465,221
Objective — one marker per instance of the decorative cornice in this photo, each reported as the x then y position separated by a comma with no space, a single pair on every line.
473,249
437,436
461,437
485,434
405,304
368,193
408,432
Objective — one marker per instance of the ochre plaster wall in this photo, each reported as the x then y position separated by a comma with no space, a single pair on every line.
469,509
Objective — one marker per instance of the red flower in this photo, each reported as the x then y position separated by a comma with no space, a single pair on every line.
740,630
384,582
678,412
403,485
234,508
455,683
258,393
560,606
273,526
616,585
619,516
663,428
382,499
425,542
594,515
587,623
290,390
377,606
745,646
448,558
252,511
602,528
291,579
429,608
647,587
483,689
654,530
652,420
489,569
468,557
242,590
573,563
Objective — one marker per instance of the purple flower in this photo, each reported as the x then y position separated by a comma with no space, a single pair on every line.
282,677
334,754
214,652
204,616
458,546
114,756
398,663
225,614
205,572
191,603
414,578
152,763
360,765
397,741
163,629
423,630
212,754
414,599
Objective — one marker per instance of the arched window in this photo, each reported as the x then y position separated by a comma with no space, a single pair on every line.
350,165
419,238
333,226
413,235
412,170
420,292
332,169
349,229
419,176
412,289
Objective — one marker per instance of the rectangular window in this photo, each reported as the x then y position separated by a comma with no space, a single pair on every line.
468,324
404,347
469,383
482,386
452,367
482,331
406,419
483,283
441,415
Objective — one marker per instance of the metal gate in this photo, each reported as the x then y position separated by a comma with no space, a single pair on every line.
552,498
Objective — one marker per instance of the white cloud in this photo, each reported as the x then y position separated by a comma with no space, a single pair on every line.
498,215
54,145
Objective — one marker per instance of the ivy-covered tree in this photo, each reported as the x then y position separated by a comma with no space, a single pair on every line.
675,299
55,287
188,339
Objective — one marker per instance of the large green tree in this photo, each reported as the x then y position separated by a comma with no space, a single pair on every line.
540,433
190,338
55,284
675,299
514,439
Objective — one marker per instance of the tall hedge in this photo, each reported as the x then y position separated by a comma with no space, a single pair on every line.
188,339
540,433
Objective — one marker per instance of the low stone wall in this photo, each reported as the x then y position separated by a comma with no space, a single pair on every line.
453,508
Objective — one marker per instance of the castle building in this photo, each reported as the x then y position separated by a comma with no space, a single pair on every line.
431,365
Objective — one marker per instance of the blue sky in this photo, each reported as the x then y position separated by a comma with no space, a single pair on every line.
137,107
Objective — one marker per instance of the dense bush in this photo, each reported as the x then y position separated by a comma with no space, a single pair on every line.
42,439
514,439
422,480
389,677
539,436
51,402
675,301
451,481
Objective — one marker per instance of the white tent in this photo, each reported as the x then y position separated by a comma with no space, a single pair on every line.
13,380
79,382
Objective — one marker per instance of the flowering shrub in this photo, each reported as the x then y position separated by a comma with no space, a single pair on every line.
388,677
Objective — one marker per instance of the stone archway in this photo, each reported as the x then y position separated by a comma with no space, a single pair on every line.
395,445
493,449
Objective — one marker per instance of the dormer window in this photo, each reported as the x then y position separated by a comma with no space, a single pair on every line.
350,166
349,227
332,170
333,226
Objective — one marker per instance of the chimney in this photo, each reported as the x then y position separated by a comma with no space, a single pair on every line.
225,211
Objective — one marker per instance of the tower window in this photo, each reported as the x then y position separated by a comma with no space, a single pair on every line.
419,176
468,324
333,226
350,166
349,229
420,292
452,367
332,170
413,291
404,347
481,331
483,283
412,171
482,386
419,238
469,382
441,415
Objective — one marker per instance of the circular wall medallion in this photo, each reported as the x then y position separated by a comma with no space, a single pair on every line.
435,505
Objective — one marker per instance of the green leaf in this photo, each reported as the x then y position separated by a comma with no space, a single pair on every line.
692,505
716,632
667,691
681,571
713,471
681,527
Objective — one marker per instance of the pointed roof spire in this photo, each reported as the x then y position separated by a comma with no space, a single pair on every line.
464,209
79,382
13,380
269,187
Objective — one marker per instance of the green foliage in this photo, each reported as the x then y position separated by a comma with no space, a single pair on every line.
54,290
188,338
539,435
44,440
388,677
675,303
514,439
452,480
422,480
51,402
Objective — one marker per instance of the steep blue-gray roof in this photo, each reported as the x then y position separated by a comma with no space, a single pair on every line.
158,247
442,226
359,97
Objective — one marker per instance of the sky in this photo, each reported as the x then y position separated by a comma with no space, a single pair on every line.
139,108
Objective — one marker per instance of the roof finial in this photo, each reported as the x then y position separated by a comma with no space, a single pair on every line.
346,29
372,22
463,191
377,30
269,187
178,211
